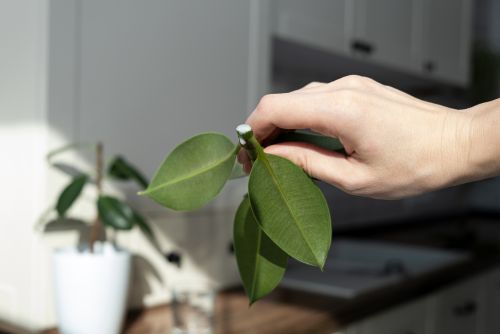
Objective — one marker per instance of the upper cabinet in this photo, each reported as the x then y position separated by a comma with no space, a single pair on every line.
430,38
318,23
447,39
384,31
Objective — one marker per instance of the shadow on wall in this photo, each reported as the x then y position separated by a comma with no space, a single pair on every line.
202,239
141,285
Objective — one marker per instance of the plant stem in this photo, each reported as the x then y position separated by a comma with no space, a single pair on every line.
96,225
249,142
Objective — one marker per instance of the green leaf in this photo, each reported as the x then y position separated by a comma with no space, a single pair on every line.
329,143
148,232
143,225
290,209
123,170
194,173
116,214
261,263
70,194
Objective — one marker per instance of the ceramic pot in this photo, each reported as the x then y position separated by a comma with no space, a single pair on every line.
91,289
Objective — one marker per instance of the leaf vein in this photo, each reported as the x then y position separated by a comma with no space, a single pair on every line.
285,200
191,175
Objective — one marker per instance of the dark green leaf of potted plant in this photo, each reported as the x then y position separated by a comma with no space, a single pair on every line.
70,194
261,263
115,213
121,169
194,173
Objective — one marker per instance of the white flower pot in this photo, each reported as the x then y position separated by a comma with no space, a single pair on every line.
91,289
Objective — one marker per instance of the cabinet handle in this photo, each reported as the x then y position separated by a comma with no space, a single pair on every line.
362,47
429,66
466,309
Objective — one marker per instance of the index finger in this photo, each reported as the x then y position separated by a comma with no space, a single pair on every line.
318,111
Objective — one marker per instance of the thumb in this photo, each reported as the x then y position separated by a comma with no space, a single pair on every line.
329,166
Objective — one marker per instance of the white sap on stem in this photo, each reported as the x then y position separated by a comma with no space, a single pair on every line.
243,131
247,140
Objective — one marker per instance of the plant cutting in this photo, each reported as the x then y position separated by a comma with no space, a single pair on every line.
283,215
92,283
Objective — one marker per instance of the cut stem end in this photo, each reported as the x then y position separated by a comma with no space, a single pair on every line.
248,141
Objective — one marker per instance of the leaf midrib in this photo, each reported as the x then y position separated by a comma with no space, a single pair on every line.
274,178
191,175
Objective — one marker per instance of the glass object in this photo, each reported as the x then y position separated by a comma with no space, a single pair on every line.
192,308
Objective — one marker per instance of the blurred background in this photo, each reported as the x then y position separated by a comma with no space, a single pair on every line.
142,76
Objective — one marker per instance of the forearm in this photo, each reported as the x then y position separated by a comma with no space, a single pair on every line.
484,155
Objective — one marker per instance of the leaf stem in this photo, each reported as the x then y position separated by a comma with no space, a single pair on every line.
249,142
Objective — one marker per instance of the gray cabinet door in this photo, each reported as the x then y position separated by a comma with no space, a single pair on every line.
490,314
385,31
446,40
317,23
405,319
456,309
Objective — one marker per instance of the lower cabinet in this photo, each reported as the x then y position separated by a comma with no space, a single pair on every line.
489,316
468,307
456,310
406,319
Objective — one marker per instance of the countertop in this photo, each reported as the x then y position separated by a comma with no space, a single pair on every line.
288,311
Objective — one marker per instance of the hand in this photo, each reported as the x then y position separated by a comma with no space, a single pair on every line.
396,145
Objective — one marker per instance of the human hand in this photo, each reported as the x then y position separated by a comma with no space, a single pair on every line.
396,145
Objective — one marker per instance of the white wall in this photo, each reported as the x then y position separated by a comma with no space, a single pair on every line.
141,77
23,35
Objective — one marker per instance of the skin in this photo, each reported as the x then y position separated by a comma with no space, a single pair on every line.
397,145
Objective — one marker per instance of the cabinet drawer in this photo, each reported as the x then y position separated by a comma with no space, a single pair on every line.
406,319
490,314
455,310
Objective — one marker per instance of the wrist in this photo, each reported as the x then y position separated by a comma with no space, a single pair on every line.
453,149
484,155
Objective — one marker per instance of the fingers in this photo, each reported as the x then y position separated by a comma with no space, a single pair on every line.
317,111
321,107
311,85
332,167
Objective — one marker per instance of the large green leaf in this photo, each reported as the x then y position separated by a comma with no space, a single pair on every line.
116,214
290,209
194,173
121,169
261,263
70,194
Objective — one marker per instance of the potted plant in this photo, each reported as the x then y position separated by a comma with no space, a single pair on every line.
91,281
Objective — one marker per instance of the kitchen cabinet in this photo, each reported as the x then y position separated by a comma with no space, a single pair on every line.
490,290
446,42
427,38
406,319
468,307
385,32
455,310
317,23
